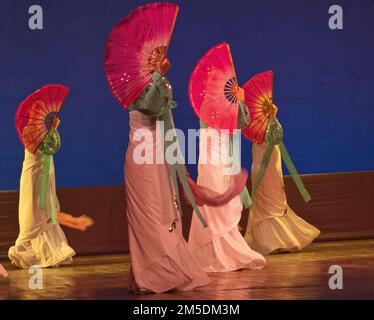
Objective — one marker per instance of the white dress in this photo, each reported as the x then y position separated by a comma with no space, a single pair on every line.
220,247
39,242
273,226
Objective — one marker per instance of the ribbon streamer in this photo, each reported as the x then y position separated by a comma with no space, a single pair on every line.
178,170
46,188
274,136
50,145
293,172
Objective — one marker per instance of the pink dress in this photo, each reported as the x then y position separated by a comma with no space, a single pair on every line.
220,247
160,258
273,226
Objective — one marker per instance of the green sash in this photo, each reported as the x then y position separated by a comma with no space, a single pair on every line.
50,145
274,136
177,170
156,101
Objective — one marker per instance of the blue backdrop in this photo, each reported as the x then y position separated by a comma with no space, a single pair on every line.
324,79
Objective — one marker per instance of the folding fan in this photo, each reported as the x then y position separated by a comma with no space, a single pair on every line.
259,100
134,48
213,89
35,114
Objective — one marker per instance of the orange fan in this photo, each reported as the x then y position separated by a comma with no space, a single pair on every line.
259,99
35,114
135,47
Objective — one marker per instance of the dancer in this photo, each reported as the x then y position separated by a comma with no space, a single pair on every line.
219,103
135,67
272,226
41,240
160,258
221,247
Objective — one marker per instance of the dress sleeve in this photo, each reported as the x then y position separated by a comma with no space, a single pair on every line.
51,143
243,115
155,100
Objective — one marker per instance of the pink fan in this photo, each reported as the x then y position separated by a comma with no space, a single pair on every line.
135,47
213,89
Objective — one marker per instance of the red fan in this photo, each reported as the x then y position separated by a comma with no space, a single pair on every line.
213,88
259,99
35,114
135,46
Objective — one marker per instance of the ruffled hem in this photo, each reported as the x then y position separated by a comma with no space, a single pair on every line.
228,252
178,271
48,249
280,233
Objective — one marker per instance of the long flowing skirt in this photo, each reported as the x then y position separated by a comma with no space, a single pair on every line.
220,247
160,257
273,226
39,242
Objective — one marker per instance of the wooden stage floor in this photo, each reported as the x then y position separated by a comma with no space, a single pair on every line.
302,275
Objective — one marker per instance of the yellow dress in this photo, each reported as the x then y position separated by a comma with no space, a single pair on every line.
273,225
